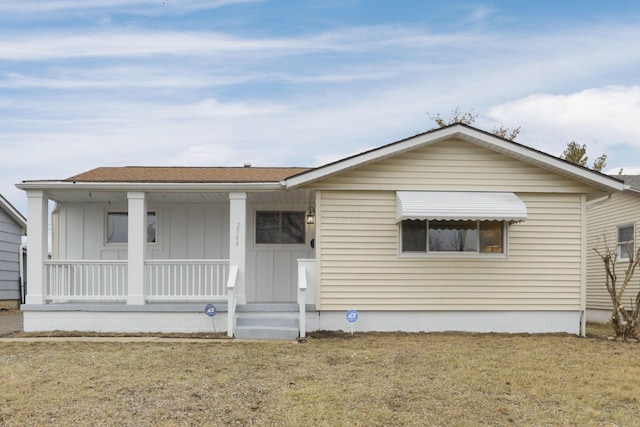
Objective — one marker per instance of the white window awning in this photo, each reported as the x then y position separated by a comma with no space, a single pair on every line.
459,205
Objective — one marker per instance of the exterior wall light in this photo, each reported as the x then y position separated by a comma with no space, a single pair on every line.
311,215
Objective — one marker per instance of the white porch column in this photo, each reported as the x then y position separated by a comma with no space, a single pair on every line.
237,240
137,220
37,249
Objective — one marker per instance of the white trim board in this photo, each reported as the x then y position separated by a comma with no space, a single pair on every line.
469,134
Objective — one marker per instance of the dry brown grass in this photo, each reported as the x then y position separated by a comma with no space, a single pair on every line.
370,379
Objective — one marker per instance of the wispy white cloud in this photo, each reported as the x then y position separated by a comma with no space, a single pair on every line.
122,43
148,77
479,14
125,44
73,100
140,77
602,118
39,6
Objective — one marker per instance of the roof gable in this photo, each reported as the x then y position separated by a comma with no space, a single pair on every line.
471,135
13,213
452,165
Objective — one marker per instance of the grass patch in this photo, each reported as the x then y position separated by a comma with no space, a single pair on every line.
84,334
333,379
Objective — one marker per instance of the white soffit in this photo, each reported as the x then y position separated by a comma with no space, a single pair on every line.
459,205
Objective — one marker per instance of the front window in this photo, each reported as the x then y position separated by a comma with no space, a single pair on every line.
625,241
277,227
453,236
118,227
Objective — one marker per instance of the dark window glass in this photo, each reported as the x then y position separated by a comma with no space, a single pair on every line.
453,236
414,236
625,241
274,227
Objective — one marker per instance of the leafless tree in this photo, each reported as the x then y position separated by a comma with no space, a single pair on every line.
625,321
469,118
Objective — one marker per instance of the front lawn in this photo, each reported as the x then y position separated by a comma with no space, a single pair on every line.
369,379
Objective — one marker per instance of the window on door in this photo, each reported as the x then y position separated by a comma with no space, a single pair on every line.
280,227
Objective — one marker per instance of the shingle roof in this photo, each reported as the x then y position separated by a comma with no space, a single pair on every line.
632,180
185,174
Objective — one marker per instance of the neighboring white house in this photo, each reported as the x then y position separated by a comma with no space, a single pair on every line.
12,227
452,229
613,223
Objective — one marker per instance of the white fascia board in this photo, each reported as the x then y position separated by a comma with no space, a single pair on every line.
370,156
633,191
153,186
13,213
541,159
469,134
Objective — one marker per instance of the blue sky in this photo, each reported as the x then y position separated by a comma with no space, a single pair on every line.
88,83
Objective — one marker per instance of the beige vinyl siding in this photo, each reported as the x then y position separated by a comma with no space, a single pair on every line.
604,219
360,266
452,165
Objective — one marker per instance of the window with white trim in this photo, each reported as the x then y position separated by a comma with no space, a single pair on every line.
437,236
626,242
280,227
117,227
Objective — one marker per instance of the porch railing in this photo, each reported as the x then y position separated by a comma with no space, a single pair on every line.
302,299
306,290
72,280
186,280
231,302
165,280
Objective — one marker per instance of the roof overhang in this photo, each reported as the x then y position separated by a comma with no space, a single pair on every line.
150,186
459,206
599,181
116,192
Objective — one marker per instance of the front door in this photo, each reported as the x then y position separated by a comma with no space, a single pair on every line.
279,237
273,276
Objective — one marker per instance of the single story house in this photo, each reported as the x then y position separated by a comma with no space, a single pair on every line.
12,227
612,223
451,229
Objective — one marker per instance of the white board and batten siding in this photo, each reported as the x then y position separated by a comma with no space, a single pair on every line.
188,231
359,261
604,218
10,239
183,231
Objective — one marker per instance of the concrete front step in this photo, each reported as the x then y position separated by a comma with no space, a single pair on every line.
268,326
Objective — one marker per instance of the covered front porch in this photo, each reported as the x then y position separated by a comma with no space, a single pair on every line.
203,250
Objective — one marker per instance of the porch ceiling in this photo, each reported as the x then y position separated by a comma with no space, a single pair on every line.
120,197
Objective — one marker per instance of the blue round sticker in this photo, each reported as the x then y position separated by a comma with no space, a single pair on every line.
352,316
210,310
